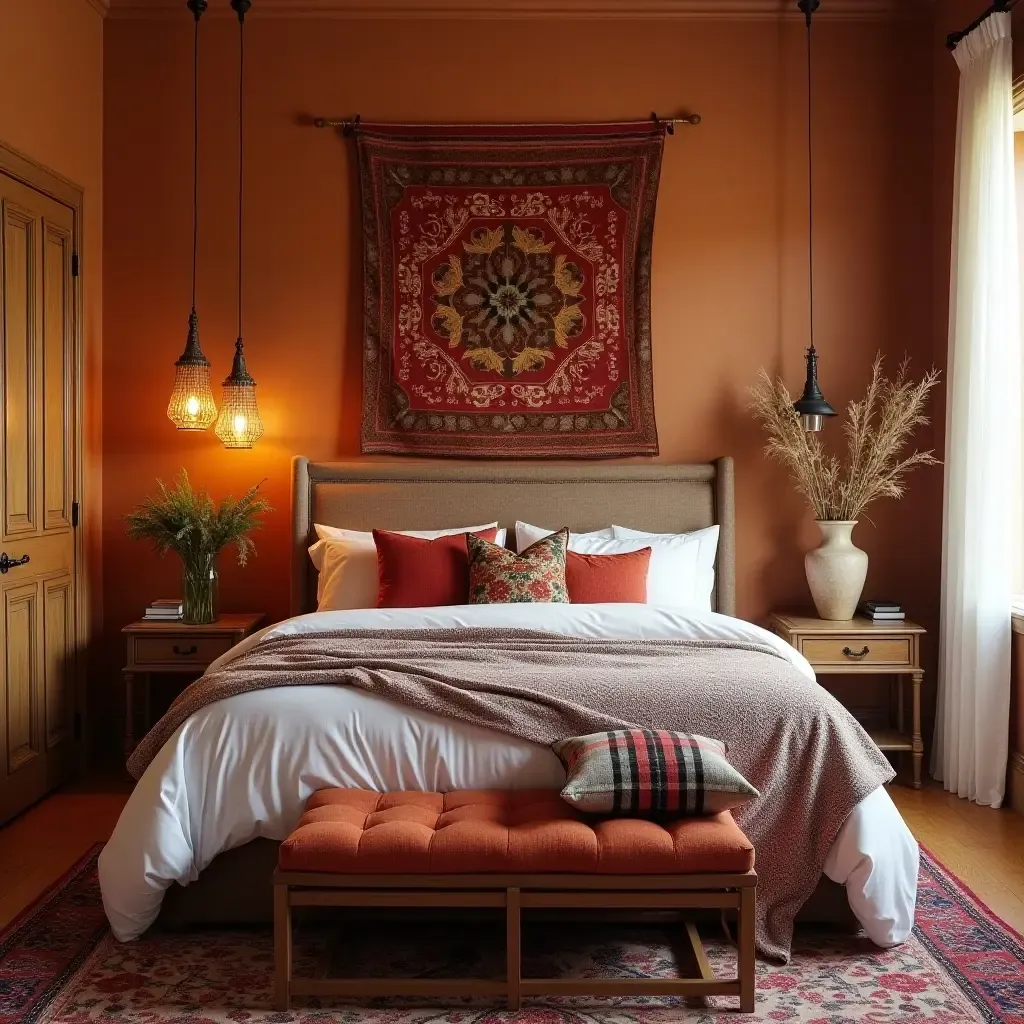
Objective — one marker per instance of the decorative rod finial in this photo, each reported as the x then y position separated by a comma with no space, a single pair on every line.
197,7
808,8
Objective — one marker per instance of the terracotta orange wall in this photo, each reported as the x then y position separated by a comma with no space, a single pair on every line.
729,292
51,109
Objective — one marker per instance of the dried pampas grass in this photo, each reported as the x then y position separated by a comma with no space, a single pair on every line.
877,429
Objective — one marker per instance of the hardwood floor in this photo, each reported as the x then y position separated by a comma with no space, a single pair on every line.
980,846
37,847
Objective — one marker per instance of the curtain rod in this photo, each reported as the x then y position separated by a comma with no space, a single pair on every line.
998,7
351,124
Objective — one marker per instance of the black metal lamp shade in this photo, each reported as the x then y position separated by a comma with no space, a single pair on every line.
812,407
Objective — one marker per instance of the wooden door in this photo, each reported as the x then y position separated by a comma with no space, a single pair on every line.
38,679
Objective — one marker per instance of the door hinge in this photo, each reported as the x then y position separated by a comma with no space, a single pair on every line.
78,725
74,514
74,264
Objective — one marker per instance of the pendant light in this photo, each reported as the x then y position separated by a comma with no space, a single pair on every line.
812,407
239,424
191,406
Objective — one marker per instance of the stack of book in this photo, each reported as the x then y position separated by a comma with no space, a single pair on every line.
166,609
882,611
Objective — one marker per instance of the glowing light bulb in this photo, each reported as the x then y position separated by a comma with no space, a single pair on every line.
239,423
192,405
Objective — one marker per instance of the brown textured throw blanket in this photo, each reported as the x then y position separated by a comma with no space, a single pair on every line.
808,756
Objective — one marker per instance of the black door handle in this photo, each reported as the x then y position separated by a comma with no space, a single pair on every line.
11,563
857,654
186,652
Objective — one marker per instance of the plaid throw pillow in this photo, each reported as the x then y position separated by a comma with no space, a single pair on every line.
500,576
650,773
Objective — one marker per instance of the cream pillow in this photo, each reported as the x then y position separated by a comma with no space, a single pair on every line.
347,564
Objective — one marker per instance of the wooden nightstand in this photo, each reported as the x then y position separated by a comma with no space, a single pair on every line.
862,647
175,648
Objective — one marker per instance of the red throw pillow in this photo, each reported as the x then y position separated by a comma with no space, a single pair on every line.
414,572
608,579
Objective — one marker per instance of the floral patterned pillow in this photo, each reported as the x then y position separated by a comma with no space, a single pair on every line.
500,576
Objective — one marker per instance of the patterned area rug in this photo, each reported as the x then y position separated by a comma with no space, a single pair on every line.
60,965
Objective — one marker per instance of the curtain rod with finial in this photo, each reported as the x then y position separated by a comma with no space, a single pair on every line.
998,7
349,125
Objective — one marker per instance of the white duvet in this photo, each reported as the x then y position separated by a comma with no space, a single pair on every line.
243,767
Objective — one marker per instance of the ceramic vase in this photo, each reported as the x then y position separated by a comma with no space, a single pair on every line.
836,571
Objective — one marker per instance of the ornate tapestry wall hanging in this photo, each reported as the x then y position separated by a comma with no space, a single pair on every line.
507,277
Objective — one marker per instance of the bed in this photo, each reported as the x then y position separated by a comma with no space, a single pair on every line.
203,824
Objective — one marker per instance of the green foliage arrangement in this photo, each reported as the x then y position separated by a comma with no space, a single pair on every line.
187,522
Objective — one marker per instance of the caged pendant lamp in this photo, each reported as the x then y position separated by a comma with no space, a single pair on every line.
812,407
239,424
191,406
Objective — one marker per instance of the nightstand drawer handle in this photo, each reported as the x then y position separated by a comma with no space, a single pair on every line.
195,650
857,654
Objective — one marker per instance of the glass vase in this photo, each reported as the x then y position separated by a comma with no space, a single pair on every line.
200,586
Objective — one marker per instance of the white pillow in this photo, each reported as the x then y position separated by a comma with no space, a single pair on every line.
527,535
347,563
682,569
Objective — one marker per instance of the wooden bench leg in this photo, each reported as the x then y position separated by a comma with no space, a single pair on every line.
282,948
513,948
746,962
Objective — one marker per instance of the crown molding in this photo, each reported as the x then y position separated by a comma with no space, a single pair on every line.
647,10
102,6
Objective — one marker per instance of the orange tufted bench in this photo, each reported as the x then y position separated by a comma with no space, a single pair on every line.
509,849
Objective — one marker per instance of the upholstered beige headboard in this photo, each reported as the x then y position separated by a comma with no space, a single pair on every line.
583,496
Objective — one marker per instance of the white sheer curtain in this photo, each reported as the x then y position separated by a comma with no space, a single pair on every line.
983,427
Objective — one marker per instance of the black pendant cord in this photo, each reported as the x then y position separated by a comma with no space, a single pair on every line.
239,375
197,13
810,173
241,151
811,407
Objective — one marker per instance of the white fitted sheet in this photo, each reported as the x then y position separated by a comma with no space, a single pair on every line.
243,768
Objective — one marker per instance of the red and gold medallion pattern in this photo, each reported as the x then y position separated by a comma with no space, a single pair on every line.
500,576
507,291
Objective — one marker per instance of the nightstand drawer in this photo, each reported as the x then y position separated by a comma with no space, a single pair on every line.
186,650
857,650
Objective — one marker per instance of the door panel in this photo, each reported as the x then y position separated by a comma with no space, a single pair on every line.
58,660
21,290
38,630
21,612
